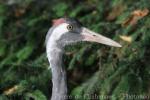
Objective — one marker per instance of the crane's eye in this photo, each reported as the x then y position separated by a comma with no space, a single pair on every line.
70,27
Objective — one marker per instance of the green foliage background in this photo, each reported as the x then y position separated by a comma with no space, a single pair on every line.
92,69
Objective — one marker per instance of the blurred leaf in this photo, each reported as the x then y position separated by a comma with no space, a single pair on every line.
25,52
11,90
17,88
2,18
60,12
75,12
122,88
135,16
126,38
116,11
36,95
77,93
2,49
90,60
2,97
34,21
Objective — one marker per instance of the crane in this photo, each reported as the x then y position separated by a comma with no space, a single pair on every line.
67,31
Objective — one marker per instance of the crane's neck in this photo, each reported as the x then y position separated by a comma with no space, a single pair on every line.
54,54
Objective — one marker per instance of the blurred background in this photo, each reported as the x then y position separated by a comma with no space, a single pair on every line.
92,69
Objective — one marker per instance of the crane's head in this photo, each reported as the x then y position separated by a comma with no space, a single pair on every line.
66,31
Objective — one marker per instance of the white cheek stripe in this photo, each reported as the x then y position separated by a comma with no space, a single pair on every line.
59,31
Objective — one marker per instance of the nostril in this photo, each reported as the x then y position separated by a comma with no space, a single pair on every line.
94,35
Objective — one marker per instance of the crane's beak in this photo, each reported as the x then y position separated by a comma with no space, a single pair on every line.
91,36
